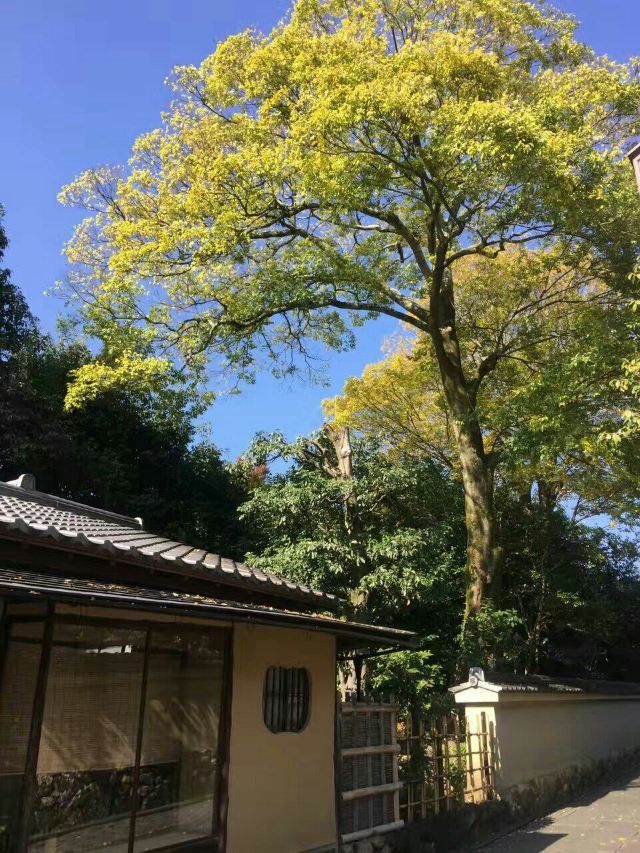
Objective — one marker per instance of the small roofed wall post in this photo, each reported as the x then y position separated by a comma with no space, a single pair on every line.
546,735
481,741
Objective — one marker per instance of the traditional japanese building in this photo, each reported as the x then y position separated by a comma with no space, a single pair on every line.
154,696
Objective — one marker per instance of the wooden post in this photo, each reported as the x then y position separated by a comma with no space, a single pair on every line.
423,746
487,762
4,634
35,733
224,743
136,767
461,767
447,769
337,770
396,780
472,781
435,770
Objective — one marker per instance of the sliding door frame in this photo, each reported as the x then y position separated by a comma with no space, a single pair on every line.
213,843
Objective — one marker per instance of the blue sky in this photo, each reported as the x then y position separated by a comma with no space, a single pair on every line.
81,80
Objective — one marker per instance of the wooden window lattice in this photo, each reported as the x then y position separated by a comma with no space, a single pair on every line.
285,699
400,770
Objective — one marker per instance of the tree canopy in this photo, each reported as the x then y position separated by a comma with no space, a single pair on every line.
278,184
555,406
347,165
303,531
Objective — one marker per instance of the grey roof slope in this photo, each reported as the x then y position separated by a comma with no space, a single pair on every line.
506,682
56,521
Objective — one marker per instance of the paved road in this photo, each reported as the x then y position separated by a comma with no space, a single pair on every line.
605,820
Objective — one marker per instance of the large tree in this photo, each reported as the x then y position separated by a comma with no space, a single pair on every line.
344,167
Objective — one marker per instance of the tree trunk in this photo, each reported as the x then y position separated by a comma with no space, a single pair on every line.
484,555
332,453
340,439
483,552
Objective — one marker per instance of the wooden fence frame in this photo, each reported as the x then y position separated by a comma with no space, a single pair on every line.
454,766
437,766
386,745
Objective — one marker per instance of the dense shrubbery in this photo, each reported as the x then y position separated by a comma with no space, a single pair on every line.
392,540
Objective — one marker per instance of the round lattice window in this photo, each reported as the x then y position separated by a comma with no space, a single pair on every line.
285,699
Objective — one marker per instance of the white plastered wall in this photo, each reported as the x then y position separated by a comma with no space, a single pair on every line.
539,736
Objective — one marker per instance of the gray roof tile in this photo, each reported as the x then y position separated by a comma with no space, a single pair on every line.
45,517
505,682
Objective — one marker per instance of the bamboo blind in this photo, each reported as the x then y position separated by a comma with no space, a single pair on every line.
17,689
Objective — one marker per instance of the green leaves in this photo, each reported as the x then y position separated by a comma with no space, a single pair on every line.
18,326
406,550
314,175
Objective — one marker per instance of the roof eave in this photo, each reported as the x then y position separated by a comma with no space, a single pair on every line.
131,544
347,632
634,152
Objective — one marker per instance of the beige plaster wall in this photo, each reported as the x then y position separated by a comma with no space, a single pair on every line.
281,786
536,739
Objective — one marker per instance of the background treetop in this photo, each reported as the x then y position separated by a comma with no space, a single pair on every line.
128,450
18,326
346,161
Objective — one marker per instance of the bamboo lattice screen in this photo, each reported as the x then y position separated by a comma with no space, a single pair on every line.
369,770
442,765
396,770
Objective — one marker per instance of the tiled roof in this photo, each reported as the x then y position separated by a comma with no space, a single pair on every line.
56,521
506,682
79,590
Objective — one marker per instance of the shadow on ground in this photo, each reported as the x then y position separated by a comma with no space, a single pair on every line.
605,817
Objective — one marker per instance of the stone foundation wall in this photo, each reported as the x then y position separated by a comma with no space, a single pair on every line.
442,832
